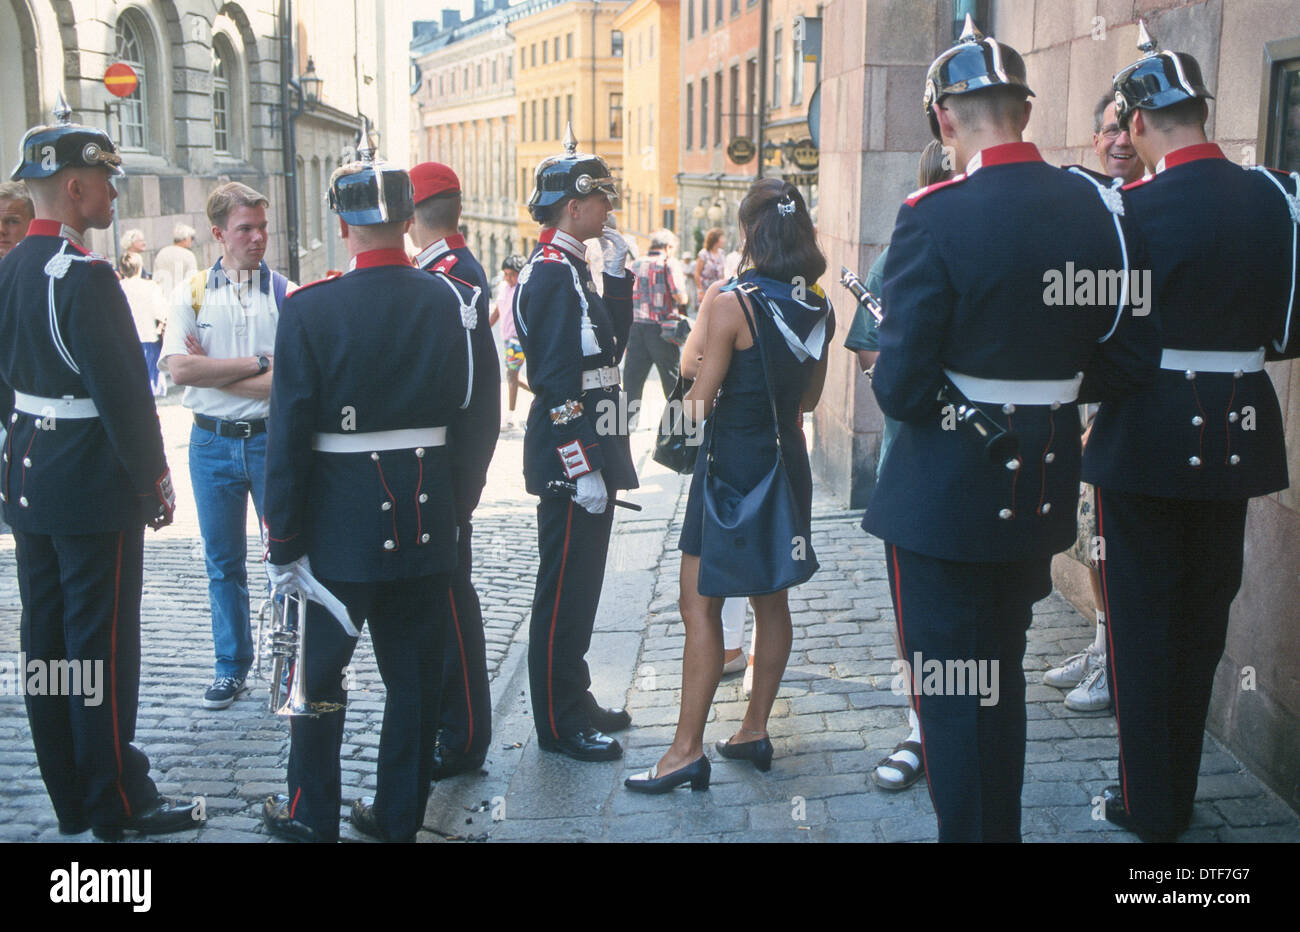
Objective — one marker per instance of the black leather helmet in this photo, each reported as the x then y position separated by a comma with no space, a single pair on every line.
1156,80
974,63
570,175
369,191
47,150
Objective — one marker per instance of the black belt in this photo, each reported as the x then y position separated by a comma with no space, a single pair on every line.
239,429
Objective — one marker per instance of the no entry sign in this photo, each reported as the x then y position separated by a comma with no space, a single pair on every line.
121,80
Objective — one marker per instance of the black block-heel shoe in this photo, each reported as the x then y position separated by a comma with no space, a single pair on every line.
759,752
695,773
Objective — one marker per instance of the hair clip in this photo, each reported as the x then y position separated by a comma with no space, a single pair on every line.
785,207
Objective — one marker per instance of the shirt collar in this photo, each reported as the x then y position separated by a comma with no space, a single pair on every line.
55,228
262,277
377,257
1192,153
1004,154
557,237
434,250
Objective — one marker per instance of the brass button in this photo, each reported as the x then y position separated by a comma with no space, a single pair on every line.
22,500
1056,405
424,538
1189,375
1049,458
386,506
1047,506
1232,417
1008,408
1234,459
27,461
1237,374
390,545
1194,461
424,497
13,418
419,452
1197,420
375,457
1005,514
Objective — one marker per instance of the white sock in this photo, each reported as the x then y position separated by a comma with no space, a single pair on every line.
914,724
1099,642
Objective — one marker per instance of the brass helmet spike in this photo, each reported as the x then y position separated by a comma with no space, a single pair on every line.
365,143
62,111
570,141
970,32
1145,42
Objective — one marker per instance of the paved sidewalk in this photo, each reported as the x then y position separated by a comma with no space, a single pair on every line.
835,716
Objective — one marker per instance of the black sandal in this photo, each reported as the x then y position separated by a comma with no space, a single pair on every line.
910,774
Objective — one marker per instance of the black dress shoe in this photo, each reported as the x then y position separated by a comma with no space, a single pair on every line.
364,821
448,762
588,744
1112,799
73,828
162,816
606,720
276,818
696,773
759,752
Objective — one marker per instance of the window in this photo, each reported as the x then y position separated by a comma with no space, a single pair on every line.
690,18
704,113
521,58
568,107
651,133
556,55
533,120
796,67
568,46
776,69
557,117
652,40
453,82
494,71
717,109
690,116
133,117
616,43
1282,133
546,117
751,97
717,12
532,55
735,100
616,115
545,47
735,7
510,65
220,100
523,122
478,75
441,90
704,19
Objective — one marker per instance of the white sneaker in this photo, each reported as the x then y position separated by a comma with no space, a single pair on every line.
748,685
508,424
1093,694
1073,671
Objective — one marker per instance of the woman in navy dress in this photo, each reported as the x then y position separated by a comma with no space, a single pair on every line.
795,324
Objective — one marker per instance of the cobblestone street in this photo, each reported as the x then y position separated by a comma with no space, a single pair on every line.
835,717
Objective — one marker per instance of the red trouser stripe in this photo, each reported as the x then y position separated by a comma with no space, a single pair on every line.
1110,645
911,678
112,667
464,667
555,614
293,807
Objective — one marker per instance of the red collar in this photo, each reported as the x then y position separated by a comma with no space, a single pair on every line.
54,228
1192,153
556,237
376,257
1005,154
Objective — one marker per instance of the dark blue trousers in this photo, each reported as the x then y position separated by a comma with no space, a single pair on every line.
1169,572
81,602
406,618
974,744
466,707
572,546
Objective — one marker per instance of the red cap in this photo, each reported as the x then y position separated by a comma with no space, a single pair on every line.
430,178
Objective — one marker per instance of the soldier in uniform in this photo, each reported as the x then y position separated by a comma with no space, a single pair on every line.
573,340
466,707
1175,465
81,474
361,470
969,541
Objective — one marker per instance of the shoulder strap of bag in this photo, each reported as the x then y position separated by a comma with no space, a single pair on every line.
742,293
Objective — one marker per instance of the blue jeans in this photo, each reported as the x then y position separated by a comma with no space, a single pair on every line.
223,471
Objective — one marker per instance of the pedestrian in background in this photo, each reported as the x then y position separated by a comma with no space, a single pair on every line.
710,263
656,299
176,262
148,310
133,241
511,348
16,213
786,372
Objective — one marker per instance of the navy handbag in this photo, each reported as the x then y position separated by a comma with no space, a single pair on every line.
753,543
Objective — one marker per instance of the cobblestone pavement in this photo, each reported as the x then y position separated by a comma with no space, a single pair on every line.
834,718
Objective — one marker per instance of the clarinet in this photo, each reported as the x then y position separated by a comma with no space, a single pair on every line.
1001,445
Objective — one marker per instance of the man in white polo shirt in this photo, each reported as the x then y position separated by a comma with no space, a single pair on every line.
220,335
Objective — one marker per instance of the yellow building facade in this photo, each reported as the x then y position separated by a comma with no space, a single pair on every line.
568,66
651,78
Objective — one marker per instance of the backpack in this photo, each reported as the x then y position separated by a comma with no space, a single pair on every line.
650,290
199,286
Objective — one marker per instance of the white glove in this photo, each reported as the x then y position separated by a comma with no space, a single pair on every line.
613,249
297,577
591,494
287,577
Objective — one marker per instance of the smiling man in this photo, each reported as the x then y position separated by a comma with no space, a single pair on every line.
1112,144
16,213
219,340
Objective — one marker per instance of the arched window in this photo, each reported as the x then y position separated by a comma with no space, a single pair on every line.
317,204
220,98
133,113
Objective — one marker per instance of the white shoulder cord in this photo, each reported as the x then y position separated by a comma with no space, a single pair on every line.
468,320
1293,206
56,268
1114,202
590,345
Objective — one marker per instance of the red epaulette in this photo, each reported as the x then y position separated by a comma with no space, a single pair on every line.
329,277
551,254
445,265
1137,184
912,199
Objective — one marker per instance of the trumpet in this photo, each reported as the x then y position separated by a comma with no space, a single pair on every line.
286,643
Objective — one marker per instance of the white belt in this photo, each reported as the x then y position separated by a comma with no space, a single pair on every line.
375,440
1212,360
1017,391
605,377
72,408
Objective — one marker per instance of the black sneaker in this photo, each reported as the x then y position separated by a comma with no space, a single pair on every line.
222,693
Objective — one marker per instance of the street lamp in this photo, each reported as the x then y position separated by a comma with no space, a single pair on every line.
307,87
310,83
